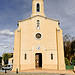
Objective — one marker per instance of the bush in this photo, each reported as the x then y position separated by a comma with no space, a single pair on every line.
0,60
71,67
73,60
67,61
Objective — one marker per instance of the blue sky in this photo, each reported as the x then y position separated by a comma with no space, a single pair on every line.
13,10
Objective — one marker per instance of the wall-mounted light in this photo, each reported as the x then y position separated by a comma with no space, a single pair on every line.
17,24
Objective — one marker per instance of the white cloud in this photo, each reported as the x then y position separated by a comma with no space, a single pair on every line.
7,46
6,41
6,32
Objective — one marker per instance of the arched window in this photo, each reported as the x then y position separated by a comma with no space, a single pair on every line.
51,56
38,7
25,56
38,25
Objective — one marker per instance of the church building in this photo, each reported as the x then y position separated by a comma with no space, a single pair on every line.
38,42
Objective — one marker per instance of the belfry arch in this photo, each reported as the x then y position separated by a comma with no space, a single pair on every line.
38,7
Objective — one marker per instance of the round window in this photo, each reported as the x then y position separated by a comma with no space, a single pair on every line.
38,35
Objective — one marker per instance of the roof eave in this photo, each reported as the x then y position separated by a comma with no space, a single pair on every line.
40,16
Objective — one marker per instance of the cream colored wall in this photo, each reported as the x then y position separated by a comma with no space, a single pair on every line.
26,43
17,45
2,62
47,63
61,59
48,41
47,29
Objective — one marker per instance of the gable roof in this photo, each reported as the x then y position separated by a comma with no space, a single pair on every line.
39,16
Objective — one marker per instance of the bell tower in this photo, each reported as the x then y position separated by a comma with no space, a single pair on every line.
38,7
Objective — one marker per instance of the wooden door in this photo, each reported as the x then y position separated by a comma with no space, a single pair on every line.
37,60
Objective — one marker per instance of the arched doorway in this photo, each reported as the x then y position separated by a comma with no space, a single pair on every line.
38,60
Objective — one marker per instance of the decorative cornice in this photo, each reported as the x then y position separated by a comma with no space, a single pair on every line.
39,16
44,49
50,49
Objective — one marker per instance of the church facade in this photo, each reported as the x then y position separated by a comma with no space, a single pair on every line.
38,42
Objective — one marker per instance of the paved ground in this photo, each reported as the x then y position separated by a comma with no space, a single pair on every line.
40,72
50,71
3,71
34,74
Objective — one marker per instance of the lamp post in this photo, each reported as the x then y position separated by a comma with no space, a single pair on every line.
17,71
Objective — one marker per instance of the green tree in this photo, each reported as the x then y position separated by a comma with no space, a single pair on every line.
6,56
67,46
73,47
0,60
67,61
73,60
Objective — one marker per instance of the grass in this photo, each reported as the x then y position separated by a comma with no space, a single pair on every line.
70,67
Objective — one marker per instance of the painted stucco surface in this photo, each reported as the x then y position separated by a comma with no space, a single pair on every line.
51,42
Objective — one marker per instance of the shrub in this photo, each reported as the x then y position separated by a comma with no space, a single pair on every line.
73,60
0,60
67,61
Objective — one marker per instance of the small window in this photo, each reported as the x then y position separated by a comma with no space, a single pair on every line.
12,61
25,56
38,25
51,56
38,7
